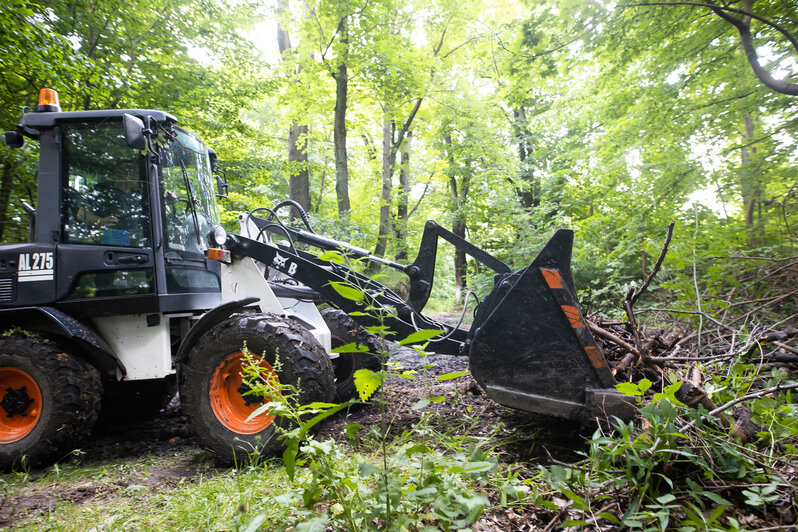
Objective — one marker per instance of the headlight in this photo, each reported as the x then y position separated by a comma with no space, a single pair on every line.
218,235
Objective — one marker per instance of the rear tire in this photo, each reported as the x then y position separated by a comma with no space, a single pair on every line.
210,382
49,401
345,330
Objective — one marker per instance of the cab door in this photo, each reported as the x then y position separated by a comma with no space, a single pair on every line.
105,260
188,282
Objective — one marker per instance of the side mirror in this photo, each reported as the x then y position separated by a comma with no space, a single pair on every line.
14,139
134,132
221,181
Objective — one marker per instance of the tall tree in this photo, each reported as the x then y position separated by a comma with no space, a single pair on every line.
298,174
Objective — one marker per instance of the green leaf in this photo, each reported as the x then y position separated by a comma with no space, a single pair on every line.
478,467
367,382
717,499
644,385
450,376
257,521
579,502
351,430
420,336
348,291
365,469
421,403
628,388
610,517
353,347
573,522
665,499
332,256
314,524
318,405
289,457
437,398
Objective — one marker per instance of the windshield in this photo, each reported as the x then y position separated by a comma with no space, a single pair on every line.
188,192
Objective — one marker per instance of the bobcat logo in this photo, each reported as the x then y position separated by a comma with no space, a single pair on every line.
279,262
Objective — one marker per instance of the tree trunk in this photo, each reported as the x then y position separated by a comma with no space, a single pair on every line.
339,129
402,213
457,200
750,185
530,185
298,180
385,196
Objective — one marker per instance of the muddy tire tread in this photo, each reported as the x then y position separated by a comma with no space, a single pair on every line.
71,390
302,361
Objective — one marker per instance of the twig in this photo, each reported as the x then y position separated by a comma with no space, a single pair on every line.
556,519
698,312
786,347
734,402
627,305
612,338
695,281
657,265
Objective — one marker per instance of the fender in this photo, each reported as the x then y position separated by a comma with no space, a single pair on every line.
49,320
207,322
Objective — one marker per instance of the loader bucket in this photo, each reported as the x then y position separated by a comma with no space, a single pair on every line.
531,348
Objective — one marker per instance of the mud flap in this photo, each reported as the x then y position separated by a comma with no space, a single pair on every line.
531,348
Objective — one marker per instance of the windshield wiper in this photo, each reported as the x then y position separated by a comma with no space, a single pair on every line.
191,202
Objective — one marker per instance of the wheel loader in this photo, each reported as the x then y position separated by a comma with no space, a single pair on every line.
129,289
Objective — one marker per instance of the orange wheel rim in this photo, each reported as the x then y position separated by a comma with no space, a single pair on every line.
229,403
20,404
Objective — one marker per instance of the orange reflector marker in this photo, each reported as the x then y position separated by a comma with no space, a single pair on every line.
553,278
595,356
572,313
48,101
222,255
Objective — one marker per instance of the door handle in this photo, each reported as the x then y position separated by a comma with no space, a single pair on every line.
138,258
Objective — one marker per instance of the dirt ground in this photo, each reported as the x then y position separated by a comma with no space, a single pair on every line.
177,457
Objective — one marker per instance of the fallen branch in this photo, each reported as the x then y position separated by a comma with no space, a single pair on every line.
787,348
612,338
760,393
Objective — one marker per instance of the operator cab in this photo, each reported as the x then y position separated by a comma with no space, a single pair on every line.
126,202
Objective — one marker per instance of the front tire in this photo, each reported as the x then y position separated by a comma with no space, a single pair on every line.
49,400
345,330
211,385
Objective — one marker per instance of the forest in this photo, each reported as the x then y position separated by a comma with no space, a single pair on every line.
665,134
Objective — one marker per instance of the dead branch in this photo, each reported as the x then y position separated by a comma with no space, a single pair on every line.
614,339
657,265
755,395
693,395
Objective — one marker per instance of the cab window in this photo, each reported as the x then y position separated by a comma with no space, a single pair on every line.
106,196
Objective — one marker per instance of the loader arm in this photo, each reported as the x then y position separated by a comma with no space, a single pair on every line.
386,307
529,346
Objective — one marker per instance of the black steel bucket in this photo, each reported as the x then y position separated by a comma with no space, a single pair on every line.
531,348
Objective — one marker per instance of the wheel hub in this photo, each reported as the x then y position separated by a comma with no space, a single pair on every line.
249,398
16,402
21,404
230,402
